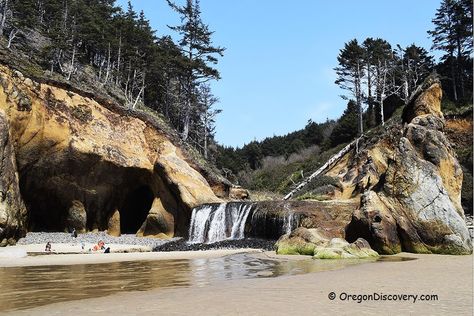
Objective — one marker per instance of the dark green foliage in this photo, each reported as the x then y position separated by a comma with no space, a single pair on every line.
350,74
346,127
86,38
251,155
452,34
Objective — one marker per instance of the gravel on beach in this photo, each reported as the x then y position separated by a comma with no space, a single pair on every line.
173,244
91,238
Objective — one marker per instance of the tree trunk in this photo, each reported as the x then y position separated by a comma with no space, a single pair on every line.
359,101
333,160
4,17
453,77
187,119
117,78
458,67
107,73
205,136
12,36
71,69
65,16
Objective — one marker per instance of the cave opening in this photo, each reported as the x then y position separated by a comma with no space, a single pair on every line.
135,209
46,212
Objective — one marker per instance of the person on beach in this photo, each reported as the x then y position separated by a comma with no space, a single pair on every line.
48,247
100,246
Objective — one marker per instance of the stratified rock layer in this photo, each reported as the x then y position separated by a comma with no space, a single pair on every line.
73,153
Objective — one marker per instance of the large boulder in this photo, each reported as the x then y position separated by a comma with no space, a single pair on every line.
301,241
313,242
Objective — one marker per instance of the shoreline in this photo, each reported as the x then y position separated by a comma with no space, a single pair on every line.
100,257
305,294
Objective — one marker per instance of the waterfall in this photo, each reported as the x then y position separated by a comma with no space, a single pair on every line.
215,222
272,224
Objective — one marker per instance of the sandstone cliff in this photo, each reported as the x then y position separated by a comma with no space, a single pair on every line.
80,163
408,181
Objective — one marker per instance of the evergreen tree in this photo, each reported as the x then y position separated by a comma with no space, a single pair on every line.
453,35
346,127
199,52
351,72
379,57
413,64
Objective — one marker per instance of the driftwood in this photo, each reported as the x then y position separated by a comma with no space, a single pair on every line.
331,162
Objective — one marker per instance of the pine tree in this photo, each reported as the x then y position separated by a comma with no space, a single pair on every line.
346,127
351,72
378,57
453,35
199,52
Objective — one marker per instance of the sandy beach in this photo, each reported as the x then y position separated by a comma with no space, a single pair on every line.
450,278
126,253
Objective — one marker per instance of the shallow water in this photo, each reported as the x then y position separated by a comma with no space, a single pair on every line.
27,287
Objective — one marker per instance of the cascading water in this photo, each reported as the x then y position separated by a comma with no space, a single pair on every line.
216,222
271,224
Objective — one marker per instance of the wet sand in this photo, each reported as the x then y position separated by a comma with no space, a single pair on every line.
448,277
133,254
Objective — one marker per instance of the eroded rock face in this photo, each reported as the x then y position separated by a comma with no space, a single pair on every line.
272,219
415,204
68,147
12,209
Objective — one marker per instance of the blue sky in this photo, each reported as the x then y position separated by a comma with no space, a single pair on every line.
277,71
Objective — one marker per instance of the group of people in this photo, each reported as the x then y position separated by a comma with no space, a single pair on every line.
99,246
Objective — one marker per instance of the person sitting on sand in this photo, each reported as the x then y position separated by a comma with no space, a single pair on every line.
100,246
48,247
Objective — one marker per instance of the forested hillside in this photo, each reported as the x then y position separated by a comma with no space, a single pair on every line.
98,45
